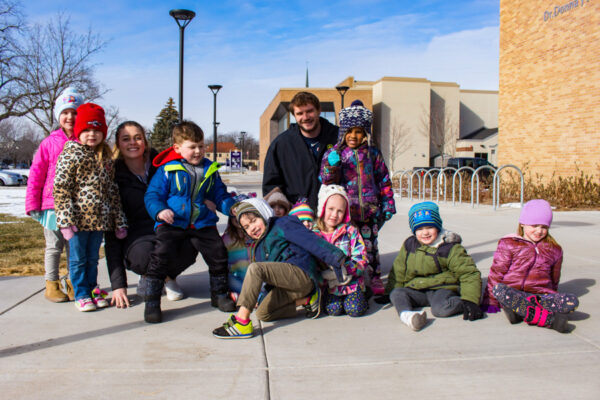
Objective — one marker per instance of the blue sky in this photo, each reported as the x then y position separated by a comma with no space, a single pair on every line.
253,48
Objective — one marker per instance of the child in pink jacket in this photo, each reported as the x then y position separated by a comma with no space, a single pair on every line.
524,276
39,202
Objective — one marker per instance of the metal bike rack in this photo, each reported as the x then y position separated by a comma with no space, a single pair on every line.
418,172
442,177
429,174
402,173
457,173
476,175
496,187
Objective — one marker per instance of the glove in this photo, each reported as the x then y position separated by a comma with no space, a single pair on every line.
490,309
68,232
388,215
471,311
383,299
121,233
333,158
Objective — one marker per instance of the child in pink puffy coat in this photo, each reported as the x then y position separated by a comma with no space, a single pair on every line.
39,201
524,276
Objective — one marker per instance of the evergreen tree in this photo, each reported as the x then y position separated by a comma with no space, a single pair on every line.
161,131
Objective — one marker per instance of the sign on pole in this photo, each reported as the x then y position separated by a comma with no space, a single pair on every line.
236,160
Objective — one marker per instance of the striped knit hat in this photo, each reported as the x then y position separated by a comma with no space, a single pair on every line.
423,214
303,212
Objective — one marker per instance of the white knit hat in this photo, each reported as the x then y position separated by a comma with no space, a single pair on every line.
69,98
325,192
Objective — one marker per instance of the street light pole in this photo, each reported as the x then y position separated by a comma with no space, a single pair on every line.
183,18
243,138
342,90
215,89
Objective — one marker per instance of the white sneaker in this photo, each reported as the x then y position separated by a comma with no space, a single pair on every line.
173,290
415,320
85,304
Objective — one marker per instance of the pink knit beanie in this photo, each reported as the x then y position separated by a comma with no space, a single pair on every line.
536,212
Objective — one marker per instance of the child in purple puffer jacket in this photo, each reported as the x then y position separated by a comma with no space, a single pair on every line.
357,165
524,276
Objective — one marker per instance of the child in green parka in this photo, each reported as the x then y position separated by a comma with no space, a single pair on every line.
432,269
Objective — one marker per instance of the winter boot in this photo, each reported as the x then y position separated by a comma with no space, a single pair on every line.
218,293
152,312
53,292
512,316
537,315
70,290
222,302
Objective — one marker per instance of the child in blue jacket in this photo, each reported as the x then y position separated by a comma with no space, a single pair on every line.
177,200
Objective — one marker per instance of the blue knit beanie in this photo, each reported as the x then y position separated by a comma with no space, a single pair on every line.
423,214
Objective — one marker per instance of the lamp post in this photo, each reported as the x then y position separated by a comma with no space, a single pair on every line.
342,90
183,18
215,89
243,139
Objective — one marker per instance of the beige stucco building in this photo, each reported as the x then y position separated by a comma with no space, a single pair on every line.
415,119
549,104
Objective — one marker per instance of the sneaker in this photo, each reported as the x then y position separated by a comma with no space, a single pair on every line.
313,308
233,329
173,290
85,304
377,285
99,297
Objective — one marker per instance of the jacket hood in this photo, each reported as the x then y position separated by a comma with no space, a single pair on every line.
166,156
445,236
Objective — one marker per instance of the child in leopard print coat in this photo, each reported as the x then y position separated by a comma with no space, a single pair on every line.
87,203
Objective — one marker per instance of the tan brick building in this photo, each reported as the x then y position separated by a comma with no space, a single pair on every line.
549,102
407,114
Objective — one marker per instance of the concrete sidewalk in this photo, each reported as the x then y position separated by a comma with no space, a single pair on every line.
51,351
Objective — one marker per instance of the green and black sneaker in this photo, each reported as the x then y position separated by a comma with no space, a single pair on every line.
233,329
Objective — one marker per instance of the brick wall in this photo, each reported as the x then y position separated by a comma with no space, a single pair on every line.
549,100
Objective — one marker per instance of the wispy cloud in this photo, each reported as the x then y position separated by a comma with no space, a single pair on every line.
255,48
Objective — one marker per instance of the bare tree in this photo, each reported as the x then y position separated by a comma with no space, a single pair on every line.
52,58
400,141
443,129
12,98
18,141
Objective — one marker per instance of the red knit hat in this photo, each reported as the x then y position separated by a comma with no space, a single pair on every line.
90,116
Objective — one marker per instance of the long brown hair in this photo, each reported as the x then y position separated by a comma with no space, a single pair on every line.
119,131
235,231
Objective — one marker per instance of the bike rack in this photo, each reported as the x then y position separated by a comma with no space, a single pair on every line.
442,177
402,173
418,172
429,174
496,187
476,175
456,173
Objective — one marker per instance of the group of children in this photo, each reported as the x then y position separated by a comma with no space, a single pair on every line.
274,256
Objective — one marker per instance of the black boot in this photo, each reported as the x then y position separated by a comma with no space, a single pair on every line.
512,316
218,293
152,312
222,302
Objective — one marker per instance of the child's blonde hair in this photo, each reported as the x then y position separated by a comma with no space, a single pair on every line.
548,239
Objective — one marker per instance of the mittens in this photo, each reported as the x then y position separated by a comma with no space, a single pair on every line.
334,158
471,311
491,309
68,232
121,233
383,299
388,215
